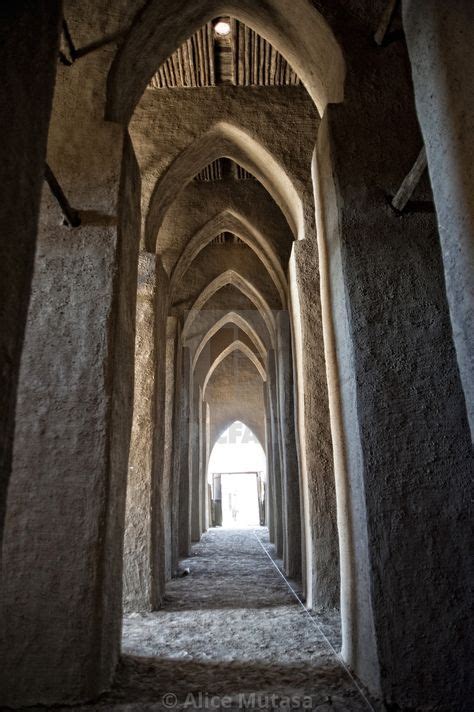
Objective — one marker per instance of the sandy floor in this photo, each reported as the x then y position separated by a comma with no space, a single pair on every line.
231,636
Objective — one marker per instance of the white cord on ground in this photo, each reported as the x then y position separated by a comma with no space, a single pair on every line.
316,624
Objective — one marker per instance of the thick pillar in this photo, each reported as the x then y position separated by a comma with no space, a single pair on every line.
29,42
270,496
195,462
177,439
138,560
203,447
169,408
290,470
404,460
207,517
159,489
144,547
185,491
275,437
61,607
318,490
440,40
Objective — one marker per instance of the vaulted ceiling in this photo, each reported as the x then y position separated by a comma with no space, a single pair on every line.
239,78
240,58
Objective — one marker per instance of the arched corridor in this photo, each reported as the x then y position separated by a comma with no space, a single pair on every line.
217,219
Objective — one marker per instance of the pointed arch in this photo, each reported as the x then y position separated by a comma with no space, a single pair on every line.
225,425
231,221
224,140
242,324
234,346
297,30
233,278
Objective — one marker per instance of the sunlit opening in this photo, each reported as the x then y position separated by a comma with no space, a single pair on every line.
237,477
222,28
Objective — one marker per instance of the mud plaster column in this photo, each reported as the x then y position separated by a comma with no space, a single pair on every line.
277,416
270,506
29,41
206,463
169,407
61,611
406,440
201,421
185,472
275,433
159,488
203,437
315,445
176,465
290,471
137,574
440,40
195,462
139,566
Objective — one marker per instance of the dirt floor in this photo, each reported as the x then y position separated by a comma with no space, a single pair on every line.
231,636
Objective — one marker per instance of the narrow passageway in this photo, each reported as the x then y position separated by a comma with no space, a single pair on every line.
231,635
235,300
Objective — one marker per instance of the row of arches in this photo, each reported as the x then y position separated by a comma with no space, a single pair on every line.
125,340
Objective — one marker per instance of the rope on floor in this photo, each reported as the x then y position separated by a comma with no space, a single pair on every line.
318,627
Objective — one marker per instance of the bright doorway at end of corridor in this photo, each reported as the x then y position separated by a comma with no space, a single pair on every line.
237,479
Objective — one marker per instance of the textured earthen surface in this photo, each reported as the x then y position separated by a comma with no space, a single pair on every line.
248,636
138,565
407,435
78,364
243,386
245,129
440,42
29,40
290,473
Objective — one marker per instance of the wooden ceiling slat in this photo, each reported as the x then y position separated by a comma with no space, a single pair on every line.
180,63
247,55
178,70
166,73
261,68
210,42
266,62
201,82
241,55
192,65
282,70
273,60
203,57
185,64
255,57
200,60
235,51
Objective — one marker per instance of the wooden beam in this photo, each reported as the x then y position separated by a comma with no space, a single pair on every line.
71,216
410,182
385,21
